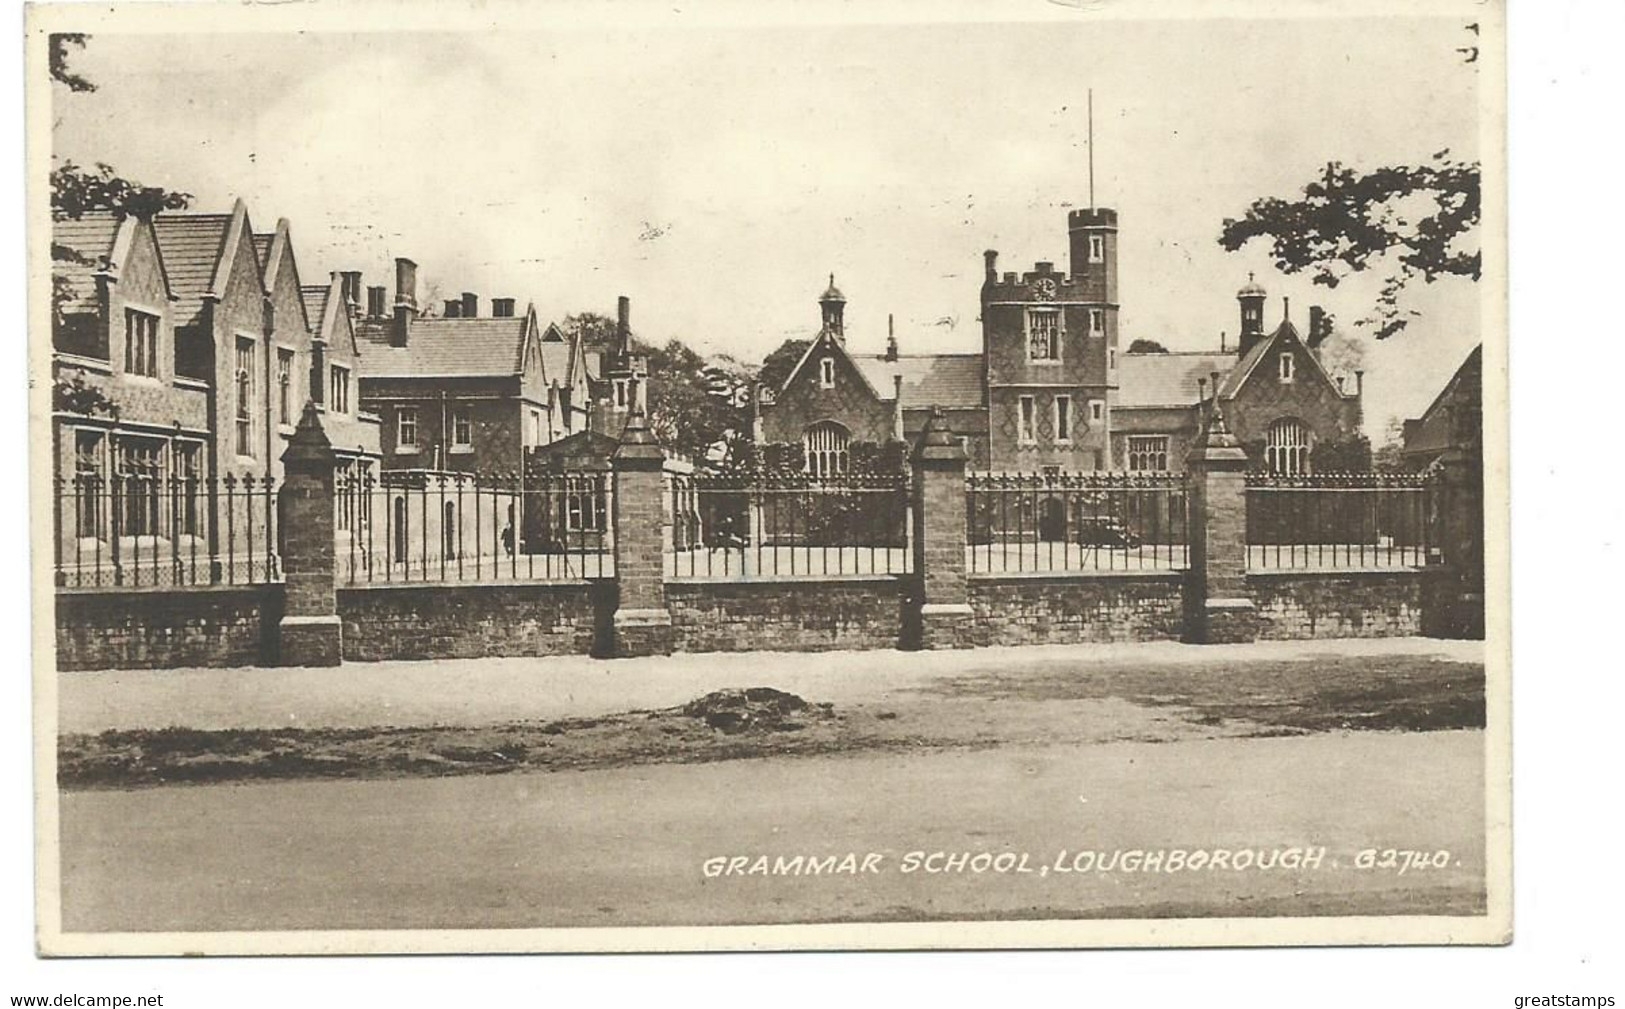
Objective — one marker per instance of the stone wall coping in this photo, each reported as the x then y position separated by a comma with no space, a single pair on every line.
577,583
787,579
125,591
1396,571
1074,576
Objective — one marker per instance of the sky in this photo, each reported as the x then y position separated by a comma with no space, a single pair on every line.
718,175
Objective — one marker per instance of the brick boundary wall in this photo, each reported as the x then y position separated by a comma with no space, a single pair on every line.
156,629
1301,605
1074,608
463,621
787,616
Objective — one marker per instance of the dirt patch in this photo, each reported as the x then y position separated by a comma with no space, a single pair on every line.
1320,694
1045,705
755,709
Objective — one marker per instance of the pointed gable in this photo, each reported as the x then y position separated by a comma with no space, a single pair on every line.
99,243
280,274
826,345
1261,358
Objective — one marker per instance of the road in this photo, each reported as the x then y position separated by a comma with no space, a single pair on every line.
627,846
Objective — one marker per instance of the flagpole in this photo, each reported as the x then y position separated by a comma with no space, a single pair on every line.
1091,148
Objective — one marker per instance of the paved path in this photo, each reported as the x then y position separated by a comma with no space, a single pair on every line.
628,846
486,691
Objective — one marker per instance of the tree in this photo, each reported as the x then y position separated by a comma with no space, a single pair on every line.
1415,220
1146,347
76,190
683,413
598,332
776,367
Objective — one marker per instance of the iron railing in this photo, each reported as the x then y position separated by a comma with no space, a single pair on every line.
741,527
431,526
1095,521
1337,520
148,531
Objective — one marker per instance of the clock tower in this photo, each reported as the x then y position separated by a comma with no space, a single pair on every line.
1049,339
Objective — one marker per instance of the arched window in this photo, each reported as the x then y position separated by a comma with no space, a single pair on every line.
825,447
1286,450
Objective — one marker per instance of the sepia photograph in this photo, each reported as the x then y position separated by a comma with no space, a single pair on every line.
600,478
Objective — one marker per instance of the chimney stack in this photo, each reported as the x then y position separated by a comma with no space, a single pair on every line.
375,302
350,289
454,308
501,308
1317,326
406,301
891,339
623,323
991,260
471,305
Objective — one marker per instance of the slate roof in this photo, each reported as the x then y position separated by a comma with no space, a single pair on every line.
316,305
556,362
951,381
1430,434
262,248
191,246
91,236
1244,367
1173,379
444,348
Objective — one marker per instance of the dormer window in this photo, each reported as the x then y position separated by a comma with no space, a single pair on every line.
1043,335
1288,367
826,372
140,343
1097,248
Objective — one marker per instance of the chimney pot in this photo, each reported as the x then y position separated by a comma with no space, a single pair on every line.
623,317
990,259
406,283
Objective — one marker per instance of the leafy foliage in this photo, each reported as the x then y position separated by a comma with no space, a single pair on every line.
1146,347
60,43
1344,455
683,412
776,367
1420,219
75,190
71,394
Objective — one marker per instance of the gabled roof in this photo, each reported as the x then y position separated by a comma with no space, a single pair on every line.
1171,379
442,348
198,250
951,381
1285,332
1469,377
827,340
1432,432
325,309
278,249
316,307
582,444
556,362
91,238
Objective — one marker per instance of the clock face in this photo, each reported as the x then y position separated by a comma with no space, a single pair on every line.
1044,289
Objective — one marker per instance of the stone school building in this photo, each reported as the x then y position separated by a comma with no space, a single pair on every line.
1051,391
